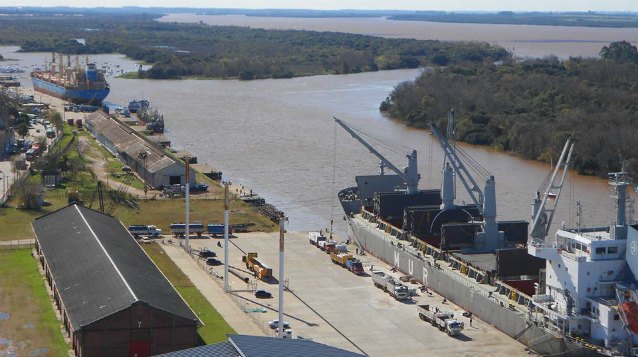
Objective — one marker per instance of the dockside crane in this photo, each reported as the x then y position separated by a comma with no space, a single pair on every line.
542,215
411,173
484,199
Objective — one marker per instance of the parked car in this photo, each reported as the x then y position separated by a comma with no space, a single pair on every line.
205,253
213,262
287,333
262,294
273,324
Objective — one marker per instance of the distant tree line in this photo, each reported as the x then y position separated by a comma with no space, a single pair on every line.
531,107
198,50
587,19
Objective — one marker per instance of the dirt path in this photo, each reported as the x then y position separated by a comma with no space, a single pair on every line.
98,166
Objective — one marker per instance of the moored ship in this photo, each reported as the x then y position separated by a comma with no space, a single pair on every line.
77,84
461,251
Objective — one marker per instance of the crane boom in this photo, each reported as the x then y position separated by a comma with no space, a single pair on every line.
490,238
467,180
410,175
543,216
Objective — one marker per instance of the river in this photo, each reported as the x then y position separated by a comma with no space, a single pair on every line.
522,40
279,138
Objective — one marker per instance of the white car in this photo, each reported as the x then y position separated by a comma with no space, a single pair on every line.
287,334
274,324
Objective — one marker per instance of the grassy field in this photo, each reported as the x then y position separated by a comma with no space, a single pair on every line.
215,328
164,212
16,223
33,331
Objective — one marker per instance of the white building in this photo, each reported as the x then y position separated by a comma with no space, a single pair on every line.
149,161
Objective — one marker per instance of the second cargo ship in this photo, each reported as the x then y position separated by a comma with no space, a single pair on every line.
77,84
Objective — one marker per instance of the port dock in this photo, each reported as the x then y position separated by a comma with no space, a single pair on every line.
331,305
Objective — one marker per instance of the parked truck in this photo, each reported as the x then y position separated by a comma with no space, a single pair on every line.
315,238
258,267
444,320
340,258
355,266
217,229
179,229
387,283
144,230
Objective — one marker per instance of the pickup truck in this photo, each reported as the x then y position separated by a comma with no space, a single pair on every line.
387,283
137,230
443,320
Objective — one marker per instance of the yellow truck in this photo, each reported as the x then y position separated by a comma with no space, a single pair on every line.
340,258
255,265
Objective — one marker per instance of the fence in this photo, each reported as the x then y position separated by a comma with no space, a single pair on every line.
18,244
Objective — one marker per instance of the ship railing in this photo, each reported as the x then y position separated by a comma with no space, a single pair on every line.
621,312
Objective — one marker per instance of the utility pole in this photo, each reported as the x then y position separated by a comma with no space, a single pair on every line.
188,184
282,220
226,236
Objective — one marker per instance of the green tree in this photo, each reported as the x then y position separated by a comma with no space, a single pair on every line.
621,51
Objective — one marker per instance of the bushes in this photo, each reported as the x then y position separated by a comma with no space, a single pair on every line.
530,108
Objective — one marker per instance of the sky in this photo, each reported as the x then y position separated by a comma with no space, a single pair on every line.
474,5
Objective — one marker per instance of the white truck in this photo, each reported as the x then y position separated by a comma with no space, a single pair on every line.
137,230
315,237
444,320
387,283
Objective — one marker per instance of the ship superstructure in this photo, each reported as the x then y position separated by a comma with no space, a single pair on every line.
590,275
462,251
75,83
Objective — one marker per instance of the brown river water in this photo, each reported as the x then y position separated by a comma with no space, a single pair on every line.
522,40
279,138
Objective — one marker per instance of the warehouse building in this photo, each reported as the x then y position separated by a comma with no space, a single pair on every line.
148,160
112,299
260,346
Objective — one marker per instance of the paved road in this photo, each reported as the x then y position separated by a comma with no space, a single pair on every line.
336,307
224,304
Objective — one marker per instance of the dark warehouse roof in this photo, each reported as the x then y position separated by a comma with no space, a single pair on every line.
99,269
260,346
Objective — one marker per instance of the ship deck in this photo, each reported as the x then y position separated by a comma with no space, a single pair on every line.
484,261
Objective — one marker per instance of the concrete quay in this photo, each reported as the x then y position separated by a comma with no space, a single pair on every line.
329,304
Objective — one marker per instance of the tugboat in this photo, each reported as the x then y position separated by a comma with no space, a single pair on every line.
136,105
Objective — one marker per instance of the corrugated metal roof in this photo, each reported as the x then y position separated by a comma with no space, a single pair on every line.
260,346
222,349
99,269
126,140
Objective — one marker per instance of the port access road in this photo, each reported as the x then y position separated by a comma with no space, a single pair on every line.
329,304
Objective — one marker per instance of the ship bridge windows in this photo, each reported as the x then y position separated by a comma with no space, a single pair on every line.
600,250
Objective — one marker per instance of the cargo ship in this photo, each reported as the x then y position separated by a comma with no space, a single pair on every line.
76,84
462,251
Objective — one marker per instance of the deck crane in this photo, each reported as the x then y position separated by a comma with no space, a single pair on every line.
410,174
542,216
490,238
